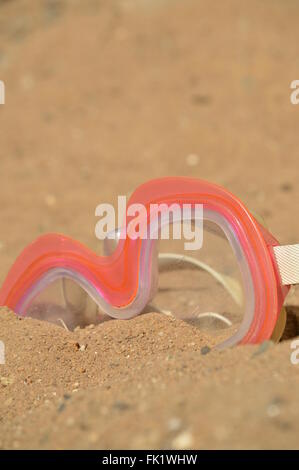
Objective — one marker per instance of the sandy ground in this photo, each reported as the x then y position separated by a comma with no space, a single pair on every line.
147,383
101,96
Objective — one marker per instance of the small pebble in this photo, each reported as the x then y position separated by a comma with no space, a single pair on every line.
93,437
273,410
192,159
205,350
201,99
183,441
286,187
70,422
27,82
174,424
121,405
50,200
5,381
61,408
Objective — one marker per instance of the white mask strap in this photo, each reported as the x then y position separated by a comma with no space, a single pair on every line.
287,258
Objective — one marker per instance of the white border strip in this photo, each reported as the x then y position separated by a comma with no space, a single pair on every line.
287,257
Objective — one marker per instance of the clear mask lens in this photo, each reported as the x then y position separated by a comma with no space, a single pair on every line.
65,303
203,287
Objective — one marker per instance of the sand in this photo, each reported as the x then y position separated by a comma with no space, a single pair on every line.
150,382
101,96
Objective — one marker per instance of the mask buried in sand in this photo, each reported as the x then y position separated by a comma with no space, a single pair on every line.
205,290
230,287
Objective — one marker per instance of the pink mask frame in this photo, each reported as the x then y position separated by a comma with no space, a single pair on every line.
123,282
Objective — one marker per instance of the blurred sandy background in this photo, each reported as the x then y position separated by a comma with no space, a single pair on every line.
101,96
